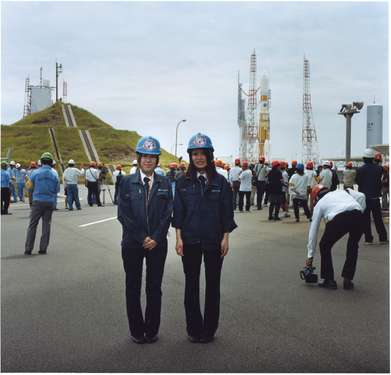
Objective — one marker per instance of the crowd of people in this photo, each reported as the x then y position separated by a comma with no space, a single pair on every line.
199,199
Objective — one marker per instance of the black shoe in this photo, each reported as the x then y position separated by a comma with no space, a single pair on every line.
277,218
151,339
79,209
297,220
347,284
206,339
138,339
42,252
368,242
270,218
27,253
193,339
70,209
328,284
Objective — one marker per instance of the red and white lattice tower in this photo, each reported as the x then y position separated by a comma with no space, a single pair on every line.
309,139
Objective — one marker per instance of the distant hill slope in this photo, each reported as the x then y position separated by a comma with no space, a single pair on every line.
53,117
29,137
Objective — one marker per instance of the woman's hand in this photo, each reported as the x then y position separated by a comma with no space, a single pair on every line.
179,247
224,245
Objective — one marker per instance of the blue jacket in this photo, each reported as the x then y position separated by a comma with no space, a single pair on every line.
368,179
20,175
11,171
5,178
140,219
203,217
46,184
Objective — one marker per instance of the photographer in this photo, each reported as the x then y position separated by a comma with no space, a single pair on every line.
342,211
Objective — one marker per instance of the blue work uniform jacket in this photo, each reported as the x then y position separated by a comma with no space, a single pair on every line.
5,178
140,218
203,216
46,184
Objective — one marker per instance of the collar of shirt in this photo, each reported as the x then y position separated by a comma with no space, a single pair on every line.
142,175
204,175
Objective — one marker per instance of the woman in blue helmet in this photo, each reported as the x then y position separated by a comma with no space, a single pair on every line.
144,210
203,218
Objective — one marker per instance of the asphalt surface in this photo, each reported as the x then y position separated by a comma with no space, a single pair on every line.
65,311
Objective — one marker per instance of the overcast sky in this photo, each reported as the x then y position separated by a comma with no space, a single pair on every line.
145,66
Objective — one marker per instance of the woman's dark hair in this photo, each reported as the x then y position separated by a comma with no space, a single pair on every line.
210,167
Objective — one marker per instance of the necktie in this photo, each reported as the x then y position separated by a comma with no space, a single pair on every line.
146,184
203,182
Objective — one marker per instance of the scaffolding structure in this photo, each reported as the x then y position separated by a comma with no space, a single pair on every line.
310,146
37,97
247,121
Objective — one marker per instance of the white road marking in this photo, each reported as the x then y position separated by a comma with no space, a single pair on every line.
97,222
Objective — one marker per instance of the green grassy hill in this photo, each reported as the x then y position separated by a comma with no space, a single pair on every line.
29,137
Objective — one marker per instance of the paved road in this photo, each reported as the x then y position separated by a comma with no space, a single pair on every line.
65,311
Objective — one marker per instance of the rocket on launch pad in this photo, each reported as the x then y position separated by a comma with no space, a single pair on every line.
264,118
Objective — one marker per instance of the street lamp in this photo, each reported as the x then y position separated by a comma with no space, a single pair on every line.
348,110
176,137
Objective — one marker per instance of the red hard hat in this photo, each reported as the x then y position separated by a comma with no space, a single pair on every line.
309,165
349,164
275,163
378,156
315,193
237,161
245,163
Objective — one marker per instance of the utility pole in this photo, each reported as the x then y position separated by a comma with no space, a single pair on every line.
58,71
348,110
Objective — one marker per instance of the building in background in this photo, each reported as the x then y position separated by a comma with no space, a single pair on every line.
37,97
374,124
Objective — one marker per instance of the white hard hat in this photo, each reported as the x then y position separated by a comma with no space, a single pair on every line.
17,165
71,161
327,163
369,153
12,162
134,162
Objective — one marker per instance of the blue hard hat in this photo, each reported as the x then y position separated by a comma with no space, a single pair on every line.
300,166
200,141
148,145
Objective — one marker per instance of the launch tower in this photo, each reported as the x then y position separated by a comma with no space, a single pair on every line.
310,145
